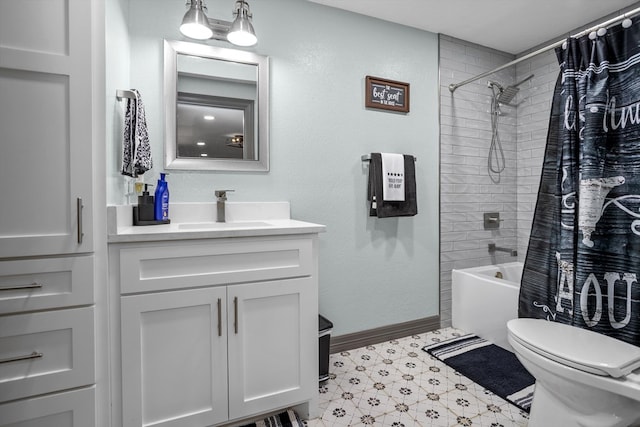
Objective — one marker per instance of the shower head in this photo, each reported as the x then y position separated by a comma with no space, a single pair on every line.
507,94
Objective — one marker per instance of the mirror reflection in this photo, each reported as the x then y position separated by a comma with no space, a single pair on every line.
214,127
216,108
215,105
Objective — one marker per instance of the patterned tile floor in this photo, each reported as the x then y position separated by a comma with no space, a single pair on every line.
396,384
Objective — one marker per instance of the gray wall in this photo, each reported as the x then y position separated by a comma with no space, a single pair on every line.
373,272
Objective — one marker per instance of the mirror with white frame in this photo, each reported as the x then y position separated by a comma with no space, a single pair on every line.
216,108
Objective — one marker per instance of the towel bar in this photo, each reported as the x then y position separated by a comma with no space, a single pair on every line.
367,158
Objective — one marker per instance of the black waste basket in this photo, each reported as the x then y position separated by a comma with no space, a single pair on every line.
325,327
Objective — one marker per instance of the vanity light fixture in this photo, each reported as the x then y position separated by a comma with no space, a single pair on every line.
195,23
240,32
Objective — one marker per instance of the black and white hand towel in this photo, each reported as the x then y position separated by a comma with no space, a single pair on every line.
381,208
136,151
392,177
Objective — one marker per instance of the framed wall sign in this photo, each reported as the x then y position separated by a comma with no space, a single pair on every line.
386,94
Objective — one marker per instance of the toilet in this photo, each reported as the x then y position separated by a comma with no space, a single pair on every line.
583,378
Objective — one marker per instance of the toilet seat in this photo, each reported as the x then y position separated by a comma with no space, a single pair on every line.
575,347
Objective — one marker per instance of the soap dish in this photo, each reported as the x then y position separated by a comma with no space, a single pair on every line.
137,221
154,222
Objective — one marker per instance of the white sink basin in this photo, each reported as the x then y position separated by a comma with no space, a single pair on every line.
223,225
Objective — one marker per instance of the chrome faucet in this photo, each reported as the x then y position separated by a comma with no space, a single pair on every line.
221,196
493,248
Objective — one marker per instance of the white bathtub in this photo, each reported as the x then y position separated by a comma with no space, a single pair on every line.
482,303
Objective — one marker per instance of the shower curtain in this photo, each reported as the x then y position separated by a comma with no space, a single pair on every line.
583,262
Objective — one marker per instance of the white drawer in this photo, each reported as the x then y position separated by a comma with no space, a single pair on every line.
40,284
46,352
70,409
183,265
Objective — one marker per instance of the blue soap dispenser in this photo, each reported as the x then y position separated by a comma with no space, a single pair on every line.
161,202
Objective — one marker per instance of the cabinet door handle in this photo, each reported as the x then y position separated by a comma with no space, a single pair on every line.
219,317
34,355
34,285
235,314
79,207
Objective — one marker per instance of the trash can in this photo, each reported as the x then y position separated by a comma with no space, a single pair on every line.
324,333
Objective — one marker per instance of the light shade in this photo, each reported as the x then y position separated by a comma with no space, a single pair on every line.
195,23
241,32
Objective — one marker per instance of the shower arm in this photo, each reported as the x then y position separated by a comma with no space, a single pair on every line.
526,79
454,86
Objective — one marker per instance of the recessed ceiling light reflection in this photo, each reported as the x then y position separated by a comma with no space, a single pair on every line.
204,155
209,117
201,143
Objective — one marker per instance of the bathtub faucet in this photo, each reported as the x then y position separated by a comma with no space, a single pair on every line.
493,248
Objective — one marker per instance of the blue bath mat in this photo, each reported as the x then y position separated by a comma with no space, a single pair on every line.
493,367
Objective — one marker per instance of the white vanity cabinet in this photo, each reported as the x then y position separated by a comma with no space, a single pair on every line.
49,99
215,330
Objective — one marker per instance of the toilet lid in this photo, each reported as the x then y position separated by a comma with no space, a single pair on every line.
579,348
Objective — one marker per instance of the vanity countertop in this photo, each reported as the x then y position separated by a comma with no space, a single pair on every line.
197,221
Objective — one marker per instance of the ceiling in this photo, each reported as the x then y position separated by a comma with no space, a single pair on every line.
512,26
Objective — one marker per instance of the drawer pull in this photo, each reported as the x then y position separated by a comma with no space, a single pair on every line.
34,285
34,355
235,314
219,317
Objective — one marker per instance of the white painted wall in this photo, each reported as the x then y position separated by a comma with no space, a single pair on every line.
373,272
117,77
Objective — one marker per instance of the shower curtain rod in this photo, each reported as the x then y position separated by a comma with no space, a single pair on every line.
453,87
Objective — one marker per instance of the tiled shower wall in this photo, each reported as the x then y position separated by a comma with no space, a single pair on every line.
533,122
466,189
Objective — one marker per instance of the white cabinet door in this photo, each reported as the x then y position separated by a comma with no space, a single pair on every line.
174,358
273,345
70,409
46,128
